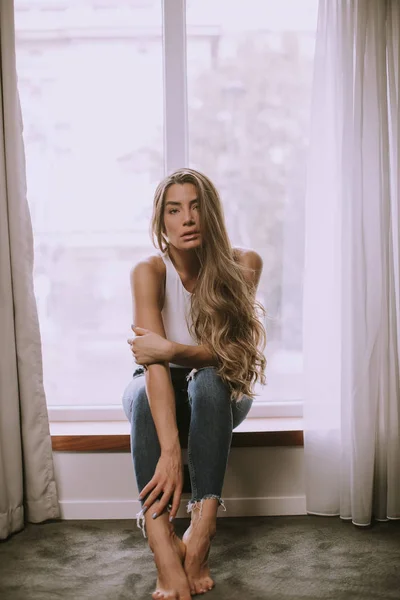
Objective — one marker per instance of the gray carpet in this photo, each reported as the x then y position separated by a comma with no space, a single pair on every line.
259,558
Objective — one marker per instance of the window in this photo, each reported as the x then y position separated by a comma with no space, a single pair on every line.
91,88
249,69
92,93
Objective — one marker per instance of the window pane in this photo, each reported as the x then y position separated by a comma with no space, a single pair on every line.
249,92
90,82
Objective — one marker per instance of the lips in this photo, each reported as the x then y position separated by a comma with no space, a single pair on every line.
189,233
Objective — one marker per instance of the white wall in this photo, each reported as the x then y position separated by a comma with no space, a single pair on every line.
258,481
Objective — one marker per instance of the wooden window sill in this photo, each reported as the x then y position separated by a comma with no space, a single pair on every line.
113,436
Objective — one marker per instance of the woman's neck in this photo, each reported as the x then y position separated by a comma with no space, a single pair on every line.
186,263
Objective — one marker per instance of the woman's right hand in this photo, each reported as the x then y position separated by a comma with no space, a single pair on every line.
167,478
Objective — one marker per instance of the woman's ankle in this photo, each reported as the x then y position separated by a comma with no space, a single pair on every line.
204,516
203,525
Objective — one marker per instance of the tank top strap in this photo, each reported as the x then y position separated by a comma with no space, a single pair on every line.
170,271
172,275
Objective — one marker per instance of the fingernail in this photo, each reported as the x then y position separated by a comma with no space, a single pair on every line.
171,519
144,509
154,515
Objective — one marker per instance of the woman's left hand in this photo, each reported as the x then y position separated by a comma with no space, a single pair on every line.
149,347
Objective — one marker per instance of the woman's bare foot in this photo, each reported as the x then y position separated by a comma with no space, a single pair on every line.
169,555
197,539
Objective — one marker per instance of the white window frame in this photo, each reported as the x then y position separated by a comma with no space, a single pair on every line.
176,155
175,85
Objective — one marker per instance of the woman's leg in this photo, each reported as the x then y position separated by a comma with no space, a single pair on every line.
168,549
145,447
213,418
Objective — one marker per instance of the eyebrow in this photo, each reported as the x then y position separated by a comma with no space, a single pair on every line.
180,203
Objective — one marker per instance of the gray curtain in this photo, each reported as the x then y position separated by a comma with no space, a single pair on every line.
27,485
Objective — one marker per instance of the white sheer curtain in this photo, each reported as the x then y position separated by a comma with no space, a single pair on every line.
351,284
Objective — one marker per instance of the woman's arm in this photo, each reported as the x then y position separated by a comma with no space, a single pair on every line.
149,348
192,356
146,287
147,313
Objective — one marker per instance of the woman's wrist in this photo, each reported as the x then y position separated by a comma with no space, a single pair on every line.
171,446
171,351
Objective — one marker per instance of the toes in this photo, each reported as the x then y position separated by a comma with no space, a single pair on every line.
199,589
200,586
206,585
192,587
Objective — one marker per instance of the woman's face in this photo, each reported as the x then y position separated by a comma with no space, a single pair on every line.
181,216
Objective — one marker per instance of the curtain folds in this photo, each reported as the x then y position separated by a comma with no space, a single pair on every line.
351,282
27,485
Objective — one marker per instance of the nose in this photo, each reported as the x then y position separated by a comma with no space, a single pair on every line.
188,219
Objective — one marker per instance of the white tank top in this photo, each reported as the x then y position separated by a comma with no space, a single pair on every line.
176,309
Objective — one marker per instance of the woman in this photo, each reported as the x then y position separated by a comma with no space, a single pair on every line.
200,345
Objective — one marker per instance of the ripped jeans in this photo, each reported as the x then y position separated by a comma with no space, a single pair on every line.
204,412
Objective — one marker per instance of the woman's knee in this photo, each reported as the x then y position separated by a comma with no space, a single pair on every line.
240,410
205,384
204,375
134,399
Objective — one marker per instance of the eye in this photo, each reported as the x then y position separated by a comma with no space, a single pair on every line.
172,211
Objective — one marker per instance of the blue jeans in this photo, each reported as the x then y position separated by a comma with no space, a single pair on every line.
204,412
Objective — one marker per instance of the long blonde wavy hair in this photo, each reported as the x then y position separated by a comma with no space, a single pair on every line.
223,310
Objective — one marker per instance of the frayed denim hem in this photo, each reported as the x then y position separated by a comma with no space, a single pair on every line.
193,372
198,504
141,523
190,376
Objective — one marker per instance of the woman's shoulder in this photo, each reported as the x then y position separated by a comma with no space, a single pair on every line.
148,266
150,270
238,252
246,256
250,263
155,261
